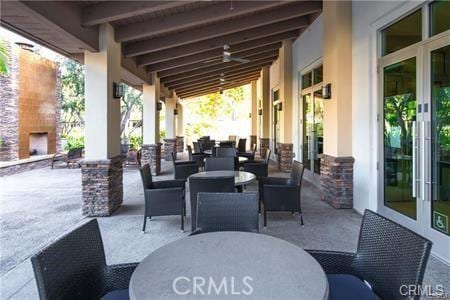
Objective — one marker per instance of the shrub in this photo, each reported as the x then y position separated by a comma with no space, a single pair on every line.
73,143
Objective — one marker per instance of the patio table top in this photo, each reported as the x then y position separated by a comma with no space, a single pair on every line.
224,264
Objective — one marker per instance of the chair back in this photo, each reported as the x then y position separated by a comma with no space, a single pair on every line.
224,144
225,152
242,145
189,148
267,158
146,177
174,158
224,184
297,173
219,163
73,266
75,153
227,212
390,255
254,148
196,147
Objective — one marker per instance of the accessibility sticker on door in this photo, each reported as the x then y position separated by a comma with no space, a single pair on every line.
440,222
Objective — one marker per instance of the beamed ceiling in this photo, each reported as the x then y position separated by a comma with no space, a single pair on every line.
179,41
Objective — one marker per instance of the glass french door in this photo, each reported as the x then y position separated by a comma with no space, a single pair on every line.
312,130
415,136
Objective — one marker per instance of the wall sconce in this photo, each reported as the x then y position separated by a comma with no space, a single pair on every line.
326,91
118,90
260,112
175,112
280,106
250,115
159,106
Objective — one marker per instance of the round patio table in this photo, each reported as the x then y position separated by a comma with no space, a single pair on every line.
229,264
240,177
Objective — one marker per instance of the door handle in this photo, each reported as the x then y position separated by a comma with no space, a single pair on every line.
415,138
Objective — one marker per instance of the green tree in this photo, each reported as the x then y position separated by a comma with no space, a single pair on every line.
72,95
131,100
4,57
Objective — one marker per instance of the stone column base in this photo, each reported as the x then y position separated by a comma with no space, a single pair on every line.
263,146
252,141
285,156
151,154
102,186
336,180
170,145
180,143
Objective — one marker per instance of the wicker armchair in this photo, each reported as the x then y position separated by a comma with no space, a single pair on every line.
220,163
74,267
388,257
199,158
207,184
162,198
225,152
283,194
260,168
183,169
242,144
227,212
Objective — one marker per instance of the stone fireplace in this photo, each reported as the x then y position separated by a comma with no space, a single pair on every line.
38,143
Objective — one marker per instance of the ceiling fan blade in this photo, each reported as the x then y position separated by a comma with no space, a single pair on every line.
241,60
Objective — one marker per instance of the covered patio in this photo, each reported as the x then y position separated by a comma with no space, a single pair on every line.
319,178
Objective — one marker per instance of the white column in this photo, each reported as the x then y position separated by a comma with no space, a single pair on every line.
265,86
286,91
150,112
170,117
102,111
180,125
254,112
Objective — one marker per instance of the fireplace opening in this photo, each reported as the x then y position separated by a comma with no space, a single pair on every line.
38,143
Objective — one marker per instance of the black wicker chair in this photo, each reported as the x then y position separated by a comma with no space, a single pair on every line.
242,144
199,158
283,194
74,267
197,148
388,256
183,169
207,184
225,152
220,163
260,168
162,198
227,212
249,155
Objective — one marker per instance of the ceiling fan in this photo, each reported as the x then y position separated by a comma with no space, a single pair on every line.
222,79
226,57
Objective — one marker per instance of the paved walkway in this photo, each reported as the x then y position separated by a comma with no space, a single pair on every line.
39,205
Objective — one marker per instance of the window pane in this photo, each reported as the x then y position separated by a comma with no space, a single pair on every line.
405,32
306,80
439,16
318,75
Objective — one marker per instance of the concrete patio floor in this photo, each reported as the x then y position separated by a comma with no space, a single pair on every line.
40,205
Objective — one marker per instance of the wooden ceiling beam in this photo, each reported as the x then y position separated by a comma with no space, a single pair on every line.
214,73
215,83
202,67
195,79
213,90
212,54
206,71
218,85
147,46
213,78
185,57
109,11
278,14
194,17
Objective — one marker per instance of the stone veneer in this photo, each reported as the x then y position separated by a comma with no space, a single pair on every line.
170,145
102,186
263,146
9,108
151,154
285,155
180,143
336,180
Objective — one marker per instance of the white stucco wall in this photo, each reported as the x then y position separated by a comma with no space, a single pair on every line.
368,17
306,50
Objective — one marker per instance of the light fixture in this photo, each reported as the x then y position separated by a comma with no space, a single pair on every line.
175,111
260,112
25,46
250,115
159,106
326,91
280,106
118,90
